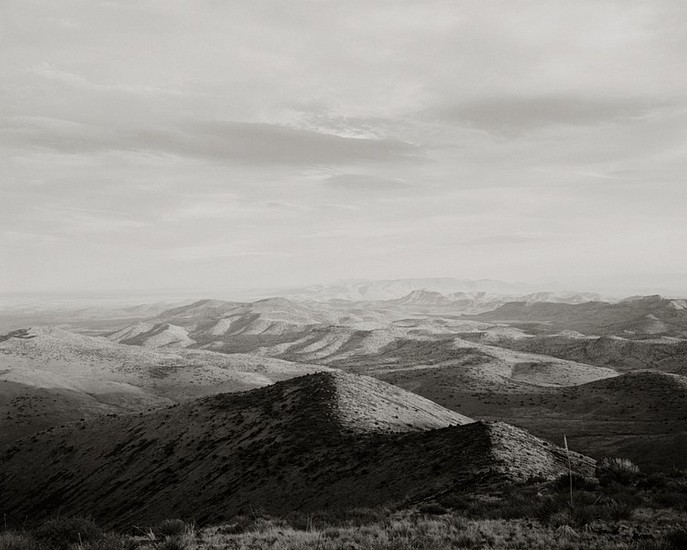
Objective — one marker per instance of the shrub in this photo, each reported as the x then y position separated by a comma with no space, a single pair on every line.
60,533
655,481
617,470
677,539
456,501
467,540
583,515
432,509
548,507
560,519
111,541
241,524
171,528
173,543
580,483
17,541
672,499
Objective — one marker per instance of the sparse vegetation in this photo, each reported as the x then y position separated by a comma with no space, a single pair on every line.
18,541
533,515
617,470
324,444
171,528
62,533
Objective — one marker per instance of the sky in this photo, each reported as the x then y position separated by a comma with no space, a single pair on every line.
213,144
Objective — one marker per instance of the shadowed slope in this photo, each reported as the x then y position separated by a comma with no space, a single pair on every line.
315,442
640,415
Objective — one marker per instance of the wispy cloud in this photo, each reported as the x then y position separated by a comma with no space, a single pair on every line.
365,183
514,114
232,142
51,72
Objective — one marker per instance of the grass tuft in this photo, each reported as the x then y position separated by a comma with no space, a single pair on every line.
61,533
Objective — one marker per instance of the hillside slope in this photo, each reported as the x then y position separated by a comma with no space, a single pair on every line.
49,376
665,354
312,443
639,415
645,315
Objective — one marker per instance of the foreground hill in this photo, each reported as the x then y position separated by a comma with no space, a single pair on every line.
645,315
323,441
49,376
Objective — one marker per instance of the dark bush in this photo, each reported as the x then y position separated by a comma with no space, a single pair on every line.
672,499
170,528
654,482
677,539
173,543
239,525
548,506
111,541
585,514
456,501
18,541
617,470
579,482
60,533
432,509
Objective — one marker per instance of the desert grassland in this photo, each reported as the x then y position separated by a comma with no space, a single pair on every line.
621,509
408,531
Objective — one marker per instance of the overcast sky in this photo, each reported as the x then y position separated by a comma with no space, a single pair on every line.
208,144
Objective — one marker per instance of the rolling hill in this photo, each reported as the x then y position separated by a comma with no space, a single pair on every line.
666,354
322,441
49,376
640,316
375,342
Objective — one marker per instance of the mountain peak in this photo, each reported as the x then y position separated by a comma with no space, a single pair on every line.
351,403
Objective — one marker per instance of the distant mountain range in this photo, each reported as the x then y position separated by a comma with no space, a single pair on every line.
478,302
371,290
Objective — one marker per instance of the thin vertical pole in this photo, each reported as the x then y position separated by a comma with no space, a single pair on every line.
567,452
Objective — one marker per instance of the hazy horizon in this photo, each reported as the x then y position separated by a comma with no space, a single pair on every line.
199,146
511,289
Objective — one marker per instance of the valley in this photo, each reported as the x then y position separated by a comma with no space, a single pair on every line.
208,409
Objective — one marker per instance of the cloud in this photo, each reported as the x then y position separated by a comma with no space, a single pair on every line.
365,183
51,72
232,142
425,136
514,114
